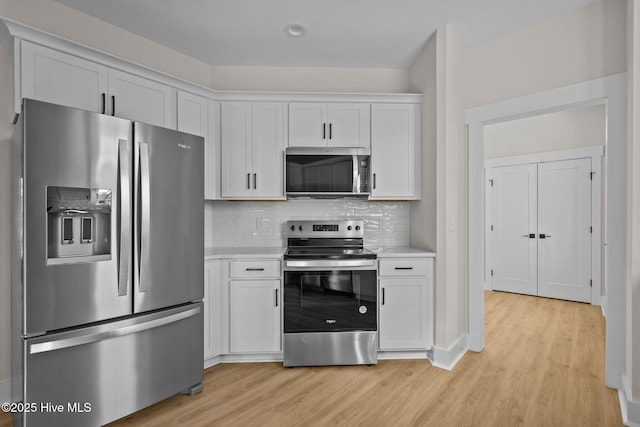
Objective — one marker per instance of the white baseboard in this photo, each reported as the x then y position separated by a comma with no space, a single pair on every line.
630,409
391,355
448,358
5,391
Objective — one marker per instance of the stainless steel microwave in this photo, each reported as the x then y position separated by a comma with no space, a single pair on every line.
327,172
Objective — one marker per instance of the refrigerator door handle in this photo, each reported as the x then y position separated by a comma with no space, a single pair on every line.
145,217
125,218
87,338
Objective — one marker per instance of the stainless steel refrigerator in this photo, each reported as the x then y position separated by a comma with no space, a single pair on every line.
107,273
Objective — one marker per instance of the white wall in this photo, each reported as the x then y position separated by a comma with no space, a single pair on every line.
438,220
451,264
69,23
562,130
582,45
631,376
423,212
304,79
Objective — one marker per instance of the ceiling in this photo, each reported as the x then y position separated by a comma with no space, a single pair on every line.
340,33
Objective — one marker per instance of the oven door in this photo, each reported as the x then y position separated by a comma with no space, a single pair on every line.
330,300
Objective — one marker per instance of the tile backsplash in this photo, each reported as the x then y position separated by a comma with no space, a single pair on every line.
252,224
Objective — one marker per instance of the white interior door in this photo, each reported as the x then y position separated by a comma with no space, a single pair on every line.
564,229
515,265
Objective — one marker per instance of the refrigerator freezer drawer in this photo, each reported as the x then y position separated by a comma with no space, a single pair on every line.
95,375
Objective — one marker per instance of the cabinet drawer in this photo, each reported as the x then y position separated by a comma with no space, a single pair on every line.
404,267
254,268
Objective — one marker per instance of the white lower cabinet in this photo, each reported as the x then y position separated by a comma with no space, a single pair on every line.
254,306
405,311
213,324
254,316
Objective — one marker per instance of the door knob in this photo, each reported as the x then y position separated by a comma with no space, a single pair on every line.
530,235
544,236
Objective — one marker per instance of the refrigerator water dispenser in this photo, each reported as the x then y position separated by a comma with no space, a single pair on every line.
78,224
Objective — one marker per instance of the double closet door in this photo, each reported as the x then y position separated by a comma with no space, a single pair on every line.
541,229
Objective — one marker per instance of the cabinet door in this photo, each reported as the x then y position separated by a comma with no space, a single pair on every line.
403,313
194,117
268,150
349,125
395,151
192,114
254,316
52,76
212,309
212,153
307,124
236,126
137,98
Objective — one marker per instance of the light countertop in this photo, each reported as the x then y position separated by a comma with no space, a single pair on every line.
277,252
243,252
401,252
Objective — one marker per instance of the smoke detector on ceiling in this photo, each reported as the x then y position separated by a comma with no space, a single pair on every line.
295,29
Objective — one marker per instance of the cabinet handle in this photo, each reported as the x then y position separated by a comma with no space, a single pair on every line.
248,181
276,297
374,181
254,269
404,268
329,130
544,236
255,181
382,296
104,102
324,131
113,104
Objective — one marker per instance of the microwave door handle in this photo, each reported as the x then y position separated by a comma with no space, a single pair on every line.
355,179
145,217
124,252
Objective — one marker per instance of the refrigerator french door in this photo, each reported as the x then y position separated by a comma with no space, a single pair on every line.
107,273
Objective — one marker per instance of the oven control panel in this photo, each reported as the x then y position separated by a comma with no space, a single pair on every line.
325,228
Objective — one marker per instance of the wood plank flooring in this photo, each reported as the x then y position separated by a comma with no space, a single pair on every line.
543,365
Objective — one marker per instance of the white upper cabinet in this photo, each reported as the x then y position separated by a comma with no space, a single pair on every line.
245,133
192,114
137,98
395,151
198,115
252,150
314,124
53,76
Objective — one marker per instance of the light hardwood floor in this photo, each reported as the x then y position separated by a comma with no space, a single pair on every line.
543,365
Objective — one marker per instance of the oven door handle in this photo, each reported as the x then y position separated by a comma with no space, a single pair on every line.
324,263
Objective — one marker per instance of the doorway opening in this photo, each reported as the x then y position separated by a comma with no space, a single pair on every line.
610,92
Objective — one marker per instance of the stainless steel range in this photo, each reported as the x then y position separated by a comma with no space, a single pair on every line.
330,295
